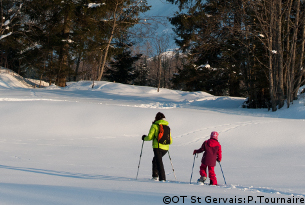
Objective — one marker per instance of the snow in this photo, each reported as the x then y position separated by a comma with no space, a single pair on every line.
301,89
94,5
204,66
5,35
7,22
69,40
9,81
261,35
78,145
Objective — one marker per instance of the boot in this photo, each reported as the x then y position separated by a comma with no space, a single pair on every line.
155,178
202,179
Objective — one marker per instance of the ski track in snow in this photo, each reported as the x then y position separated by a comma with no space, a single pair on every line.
101,86
25,94
156,105
24,100
222,128
266,190
33,93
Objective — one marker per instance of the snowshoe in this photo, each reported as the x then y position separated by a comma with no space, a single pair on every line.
201,180
155,178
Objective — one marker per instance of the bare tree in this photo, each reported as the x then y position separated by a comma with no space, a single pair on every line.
121,17
161,45
270,16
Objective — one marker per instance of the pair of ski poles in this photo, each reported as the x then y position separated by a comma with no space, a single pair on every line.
173,166
140,161
193,169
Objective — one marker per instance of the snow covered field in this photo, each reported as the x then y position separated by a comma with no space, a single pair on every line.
78,145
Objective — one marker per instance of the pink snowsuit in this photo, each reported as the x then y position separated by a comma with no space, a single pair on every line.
212,152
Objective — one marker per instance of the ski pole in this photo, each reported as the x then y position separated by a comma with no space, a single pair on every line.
172,164
140,160
222,174
193,168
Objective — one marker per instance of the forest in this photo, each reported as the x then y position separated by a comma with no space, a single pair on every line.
243,48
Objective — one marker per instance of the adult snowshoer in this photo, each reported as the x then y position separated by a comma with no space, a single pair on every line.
159,149
212,153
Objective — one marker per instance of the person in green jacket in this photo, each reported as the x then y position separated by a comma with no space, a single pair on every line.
159,149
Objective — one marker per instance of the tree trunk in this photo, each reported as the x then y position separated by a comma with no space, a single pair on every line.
293,54
159,71
287,73
280,89
271,70
104,58
102,67
301,64
77,65
1,18
64,51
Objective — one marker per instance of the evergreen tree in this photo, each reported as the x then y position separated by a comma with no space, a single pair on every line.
257,46
204,35
60,34
142,70
122,68
11,30
122,15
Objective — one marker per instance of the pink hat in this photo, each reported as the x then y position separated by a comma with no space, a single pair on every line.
214,135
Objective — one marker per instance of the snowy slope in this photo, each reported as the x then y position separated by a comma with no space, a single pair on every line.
78,145
9,81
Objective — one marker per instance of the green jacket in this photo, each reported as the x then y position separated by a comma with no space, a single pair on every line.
153,135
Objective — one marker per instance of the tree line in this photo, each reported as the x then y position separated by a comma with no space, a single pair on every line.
247,48
52,38
252,48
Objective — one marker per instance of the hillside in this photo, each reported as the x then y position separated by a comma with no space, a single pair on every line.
78,145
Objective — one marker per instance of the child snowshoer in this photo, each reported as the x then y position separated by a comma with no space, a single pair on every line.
212,153
159,149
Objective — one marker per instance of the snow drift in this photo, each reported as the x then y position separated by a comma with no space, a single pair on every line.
78,145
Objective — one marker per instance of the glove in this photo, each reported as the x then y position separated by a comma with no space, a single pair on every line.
194,152
143,137
217,160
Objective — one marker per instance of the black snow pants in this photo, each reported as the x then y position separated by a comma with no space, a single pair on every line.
157,164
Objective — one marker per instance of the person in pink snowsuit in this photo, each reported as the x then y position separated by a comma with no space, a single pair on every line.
212,153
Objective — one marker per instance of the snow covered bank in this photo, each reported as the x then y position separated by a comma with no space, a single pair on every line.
78,145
